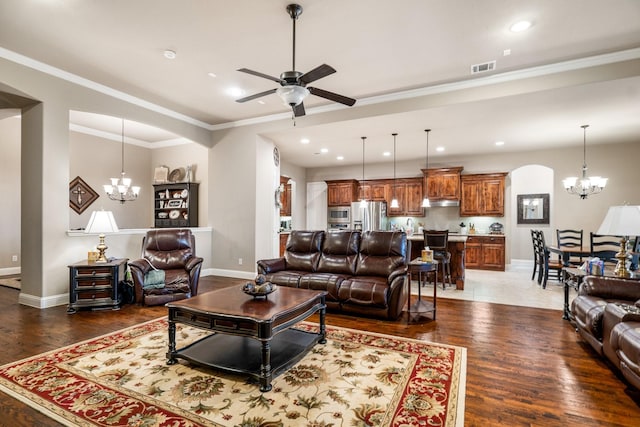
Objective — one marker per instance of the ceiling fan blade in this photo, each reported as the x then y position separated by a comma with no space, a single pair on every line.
317,73
257,95
332,96
264,76
298,110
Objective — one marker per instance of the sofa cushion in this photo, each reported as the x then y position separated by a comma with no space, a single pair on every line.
323,282
381,253
340,252
290,278
369,291
303,250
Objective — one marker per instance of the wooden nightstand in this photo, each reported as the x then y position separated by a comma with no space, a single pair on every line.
95,284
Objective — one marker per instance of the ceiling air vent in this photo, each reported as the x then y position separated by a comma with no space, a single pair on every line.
484,67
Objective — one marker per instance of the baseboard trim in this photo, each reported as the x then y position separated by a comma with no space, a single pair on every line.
229,273
47,302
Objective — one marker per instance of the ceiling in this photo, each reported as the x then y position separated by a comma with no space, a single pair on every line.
382,53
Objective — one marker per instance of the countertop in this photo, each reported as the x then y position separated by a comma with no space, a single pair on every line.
452,237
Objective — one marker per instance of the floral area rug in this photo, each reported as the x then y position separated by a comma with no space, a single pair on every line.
355,379
10,282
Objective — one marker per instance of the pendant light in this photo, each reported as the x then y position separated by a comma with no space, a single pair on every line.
425,201
394,201
585,186
121,189
363,201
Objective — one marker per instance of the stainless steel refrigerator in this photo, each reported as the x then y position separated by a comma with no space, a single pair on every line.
371,218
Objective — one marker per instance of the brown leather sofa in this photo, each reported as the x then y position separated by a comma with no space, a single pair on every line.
607,316
363,272
171,250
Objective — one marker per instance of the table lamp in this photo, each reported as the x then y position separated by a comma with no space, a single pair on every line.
621,221
101,222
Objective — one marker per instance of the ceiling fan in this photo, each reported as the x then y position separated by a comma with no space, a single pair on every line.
293,84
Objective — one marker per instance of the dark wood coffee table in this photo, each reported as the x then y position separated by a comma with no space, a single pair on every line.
253,335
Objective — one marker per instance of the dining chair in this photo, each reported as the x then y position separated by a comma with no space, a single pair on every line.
548,263
438,240
605,247
570,239
538,256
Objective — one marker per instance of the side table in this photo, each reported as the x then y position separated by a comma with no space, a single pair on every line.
420,306
95,284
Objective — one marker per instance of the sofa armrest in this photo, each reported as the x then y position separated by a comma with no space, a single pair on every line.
138,268
609,288
193,262
266,266
397,272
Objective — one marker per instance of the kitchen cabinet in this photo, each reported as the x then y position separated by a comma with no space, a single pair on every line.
443,183
176,205
342,192
408,191
482,194
375,190
285,197
485,252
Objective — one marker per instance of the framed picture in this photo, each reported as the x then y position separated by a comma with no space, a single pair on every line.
533,208
81,195
174,203
161,174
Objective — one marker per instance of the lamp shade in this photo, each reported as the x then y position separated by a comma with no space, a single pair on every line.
292,95
621,221
101,222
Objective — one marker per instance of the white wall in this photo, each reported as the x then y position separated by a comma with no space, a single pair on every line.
10,187
529,179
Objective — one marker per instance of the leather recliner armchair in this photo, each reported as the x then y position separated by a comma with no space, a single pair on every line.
171,250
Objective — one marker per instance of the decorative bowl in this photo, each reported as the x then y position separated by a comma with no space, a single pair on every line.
262,290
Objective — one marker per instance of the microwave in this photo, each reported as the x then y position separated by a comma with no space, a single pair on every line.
339,215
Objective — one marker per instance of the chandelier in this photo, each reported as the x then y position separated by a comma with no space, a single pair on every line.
586,185
121,189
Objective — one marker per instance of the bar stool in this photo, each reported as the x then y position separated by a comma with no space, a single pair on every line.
437,240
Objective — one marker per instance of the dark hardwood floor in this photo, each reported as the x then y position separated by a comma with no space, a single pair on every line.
525,366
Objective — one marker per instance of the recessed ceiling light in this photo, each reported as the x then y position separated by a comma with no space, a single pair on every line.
324,150
386,154
235,92
340,157
212,75
261,102
170,54
440,149
499,143
305,141
520,26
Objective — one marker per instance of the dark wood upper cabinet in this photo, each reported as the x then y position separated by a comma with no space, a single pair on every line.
482,194
442,183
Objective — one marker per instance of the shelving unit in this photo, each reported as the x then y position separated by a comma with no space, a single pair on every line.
176,205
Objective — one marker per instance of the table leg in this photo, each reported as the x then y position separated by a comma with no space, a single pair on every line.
265,368
323,330
565,314
435,287
171,360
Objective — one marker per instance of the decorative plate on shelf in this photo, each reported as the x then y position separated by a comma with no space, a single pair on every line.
175,214
176,175
184,193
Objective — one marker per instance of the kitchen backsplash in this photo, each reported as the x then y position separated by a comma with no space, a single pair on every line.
445,218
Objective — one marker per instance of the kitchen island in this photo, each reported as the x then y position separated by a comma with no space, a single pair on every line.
457,247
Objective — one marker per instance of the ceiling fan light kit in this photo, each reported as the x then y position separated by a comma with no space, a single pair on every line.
293,90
